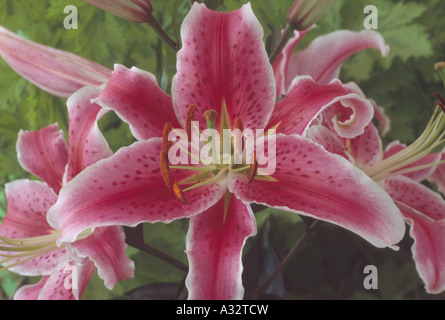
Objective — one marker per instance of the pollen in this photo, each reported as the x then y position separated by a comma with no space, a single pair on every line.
166,144
189,117
165,170
178,192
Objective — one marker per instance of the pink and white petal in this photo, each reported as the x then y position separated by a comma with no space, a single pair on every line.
384,122
30,291
416,195
280,66
366,149
310,181
214,246
223,63
106,248
428,248
68,281
55,71
418,175
307,99
438,177
44,153
27,204
328,139
323,58
87,145
126,189
137,99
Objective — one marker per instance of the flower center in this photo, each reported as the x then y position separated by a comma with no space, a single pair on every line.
220,155
432,137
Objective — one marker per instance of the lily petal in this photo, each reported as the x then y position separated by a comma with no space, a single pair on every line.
328,139
125,189
438,177
366,149
425,212
307,99
223,63
55,71
106,248
30,291
87,145
44,153
415,195
68,281
214,245
28,202
138,100
330,51
313,182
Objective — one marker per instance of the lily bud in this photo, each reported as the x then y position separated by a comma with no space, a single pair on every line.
133,10
304,13
55,71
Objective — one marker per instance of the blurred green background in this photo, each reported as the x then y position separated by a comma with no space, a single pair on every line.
331,262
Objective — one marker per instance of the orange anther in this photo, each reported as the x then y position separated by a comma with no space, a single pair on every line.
165,170
178,192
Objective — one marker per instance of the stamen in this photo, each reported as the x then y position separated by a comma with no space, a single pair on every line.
177,190
441,102
165,170
189,117
432,137
166,144
253,169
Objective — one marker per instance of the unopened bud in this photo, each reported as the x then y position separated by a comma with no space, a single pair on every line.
133,10
304,13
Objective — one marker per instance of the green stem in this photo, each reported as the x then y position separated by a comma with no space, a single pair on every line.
135,242
154,24
287,34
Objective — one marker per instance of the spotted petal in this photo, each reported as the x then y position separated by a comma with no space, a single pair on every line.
223,62
87,145
307,99
125,189
44,153
137,98
425,212
311,181
106,248
215,241
28,202
323,58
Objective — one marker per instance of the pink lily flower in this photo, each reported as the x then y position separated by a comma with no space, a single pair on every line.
399,170
331,51
28,242
55,71
224,79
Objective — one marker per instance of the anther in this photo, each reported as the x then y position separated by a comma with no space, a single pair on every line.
166,144
189,117
253,169
441,102
239,124
178,192
165,170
